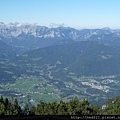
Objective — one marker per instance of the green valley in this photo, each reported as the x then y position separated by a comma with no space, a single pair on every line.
89,70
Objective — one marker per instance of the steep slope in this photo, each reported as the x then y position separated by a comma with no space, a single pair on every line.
7,52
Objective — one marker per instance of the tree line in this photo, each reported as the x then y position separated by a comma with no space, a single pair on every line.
72,107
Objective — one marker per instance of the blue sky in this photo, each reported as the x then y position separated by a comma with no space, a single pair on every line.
73,13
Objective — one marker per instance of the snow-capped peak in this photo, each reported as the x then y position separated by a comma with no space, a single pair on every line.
59,31
106,28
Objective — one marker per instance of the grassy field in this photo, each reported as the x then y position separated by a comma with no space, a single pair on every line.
32,90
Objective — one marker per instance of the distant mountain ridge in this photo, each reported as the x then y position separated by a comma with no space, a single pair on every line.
29,36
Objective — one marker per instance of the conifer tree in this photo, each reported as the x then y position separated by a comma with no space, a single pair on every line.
62,109
2,108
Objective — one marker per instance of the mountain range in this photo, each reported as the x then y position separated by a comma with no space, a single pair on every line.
58,62
32,36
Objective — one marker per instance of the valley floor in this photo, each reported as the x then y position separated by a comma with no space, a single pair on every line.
33,89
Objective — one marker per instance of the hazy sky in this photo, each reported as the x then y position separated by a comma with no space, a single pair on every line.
73,13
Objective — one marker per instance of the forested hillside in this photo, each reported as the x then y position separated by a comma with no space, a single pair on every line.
82,58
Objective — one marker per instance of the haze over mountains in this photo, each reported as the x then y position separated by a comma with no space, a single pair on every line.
74,62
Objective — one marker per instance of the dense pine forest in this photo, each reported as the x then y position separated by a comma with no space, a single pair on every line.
72,107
